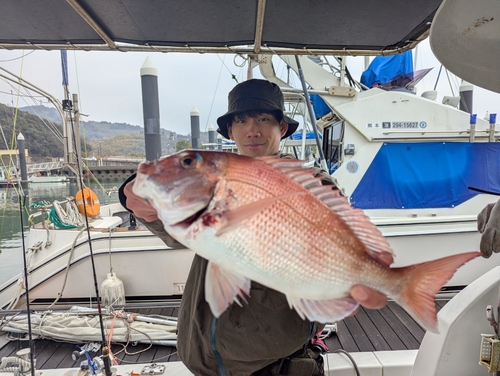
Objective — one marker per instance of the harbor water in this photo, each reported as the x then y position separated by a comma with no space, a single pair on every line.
11,232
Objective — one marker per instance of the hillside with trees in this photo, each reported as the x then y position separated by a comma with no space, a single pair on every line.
41,124
133,145
41,138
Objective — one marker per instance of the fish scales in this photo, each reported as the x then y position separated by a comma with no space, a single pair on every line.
292,249
256,220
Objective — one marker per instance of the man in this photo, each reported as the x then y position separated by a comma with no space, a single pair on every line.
264,336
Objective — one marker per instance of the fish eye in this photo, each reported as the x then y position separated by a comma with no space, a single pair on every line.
189,161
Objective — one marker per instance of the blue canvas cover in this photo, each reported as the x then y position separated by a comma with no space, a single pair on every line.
309,136
319,105
428,175
384,68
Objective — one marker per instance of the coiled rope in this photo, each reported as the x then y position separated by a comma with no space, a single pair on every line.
67,217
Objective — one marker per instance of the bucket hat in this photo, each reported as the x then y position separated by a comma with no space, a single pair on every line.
255,95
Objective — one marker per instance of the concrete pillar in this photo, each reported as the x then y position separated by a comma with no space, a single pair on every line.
151,110
195,128
22,157
219,142
211,136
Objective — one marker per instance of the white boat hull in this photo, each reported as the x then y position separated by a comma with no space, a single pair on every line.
149,268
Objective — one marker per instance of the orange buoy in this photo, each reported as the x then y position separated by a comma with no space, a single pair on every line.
87,202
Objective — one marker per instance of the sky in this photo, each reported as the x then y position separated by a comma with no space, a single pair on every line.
109,83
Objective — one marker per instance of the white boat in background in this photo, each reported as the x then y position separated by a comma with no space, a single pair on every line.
48,179
363,135
59,259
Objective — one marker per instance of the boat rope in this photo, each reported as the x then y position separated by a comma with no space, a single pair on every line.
45,212
17,365
59,222
70,258
67,217
22,204
81,324
13,303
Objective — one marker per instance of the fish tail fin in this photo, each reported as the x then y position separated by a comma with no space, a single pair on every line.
425,280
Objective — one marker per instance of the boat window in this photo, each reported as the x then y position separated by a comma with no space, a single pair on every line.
332,144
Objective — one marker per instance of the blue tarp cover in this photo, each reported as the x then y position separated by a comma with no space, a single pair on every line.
428,175
319,105
309,136
384,68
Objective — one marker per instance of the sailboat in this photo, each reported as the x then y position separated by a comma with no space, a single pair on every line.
143,28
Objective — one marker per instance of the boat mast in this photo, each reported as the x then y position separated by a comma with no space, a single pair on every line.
67,108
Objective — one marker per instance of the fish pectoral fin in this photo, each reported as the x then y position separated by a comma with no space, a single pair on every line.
222,288
323,311
232,218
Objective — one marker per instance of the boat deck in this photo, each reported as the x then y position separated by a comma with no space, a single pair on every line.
390,328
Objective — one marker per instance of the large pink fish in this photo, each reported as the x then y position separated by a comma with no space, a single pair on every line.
271,221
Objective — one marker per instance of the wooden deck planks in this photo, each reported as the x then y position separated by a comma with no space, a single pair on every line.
380,332
358,335
404,334
413,327
390,328
344,339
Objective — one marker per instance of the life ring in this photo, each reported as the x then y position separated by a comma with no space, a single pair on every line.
89,204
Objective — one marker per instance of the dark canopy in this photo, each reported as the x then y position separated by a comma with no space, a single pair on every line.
361,27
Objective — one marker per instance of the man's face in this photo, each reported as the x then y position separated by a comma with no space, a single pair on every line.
258,135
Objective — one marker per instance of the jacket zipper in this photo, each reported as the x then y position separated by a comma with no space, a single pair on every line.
222,372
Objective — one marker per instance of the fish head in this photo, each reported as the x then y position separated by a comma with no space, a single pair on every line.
181,185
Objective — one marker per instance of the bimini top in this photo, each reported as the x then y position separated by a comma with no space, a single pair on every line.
363,27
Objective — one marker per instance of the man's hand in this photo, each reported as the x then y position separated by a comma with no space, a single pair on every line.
368,297
488,224
138,205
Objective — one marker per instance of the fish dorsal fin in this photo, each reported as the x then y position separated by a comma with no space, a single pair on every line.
375,243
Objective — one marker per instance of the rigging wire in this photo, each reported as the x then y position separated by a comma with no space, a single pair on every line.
104,346
82,126
49,124
439,74
13,140
215,94
449,82
7,168
22,196
233,76
22,203
17,58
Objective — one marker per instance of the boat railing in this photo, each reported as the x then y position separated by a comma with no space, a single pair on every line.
434,135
